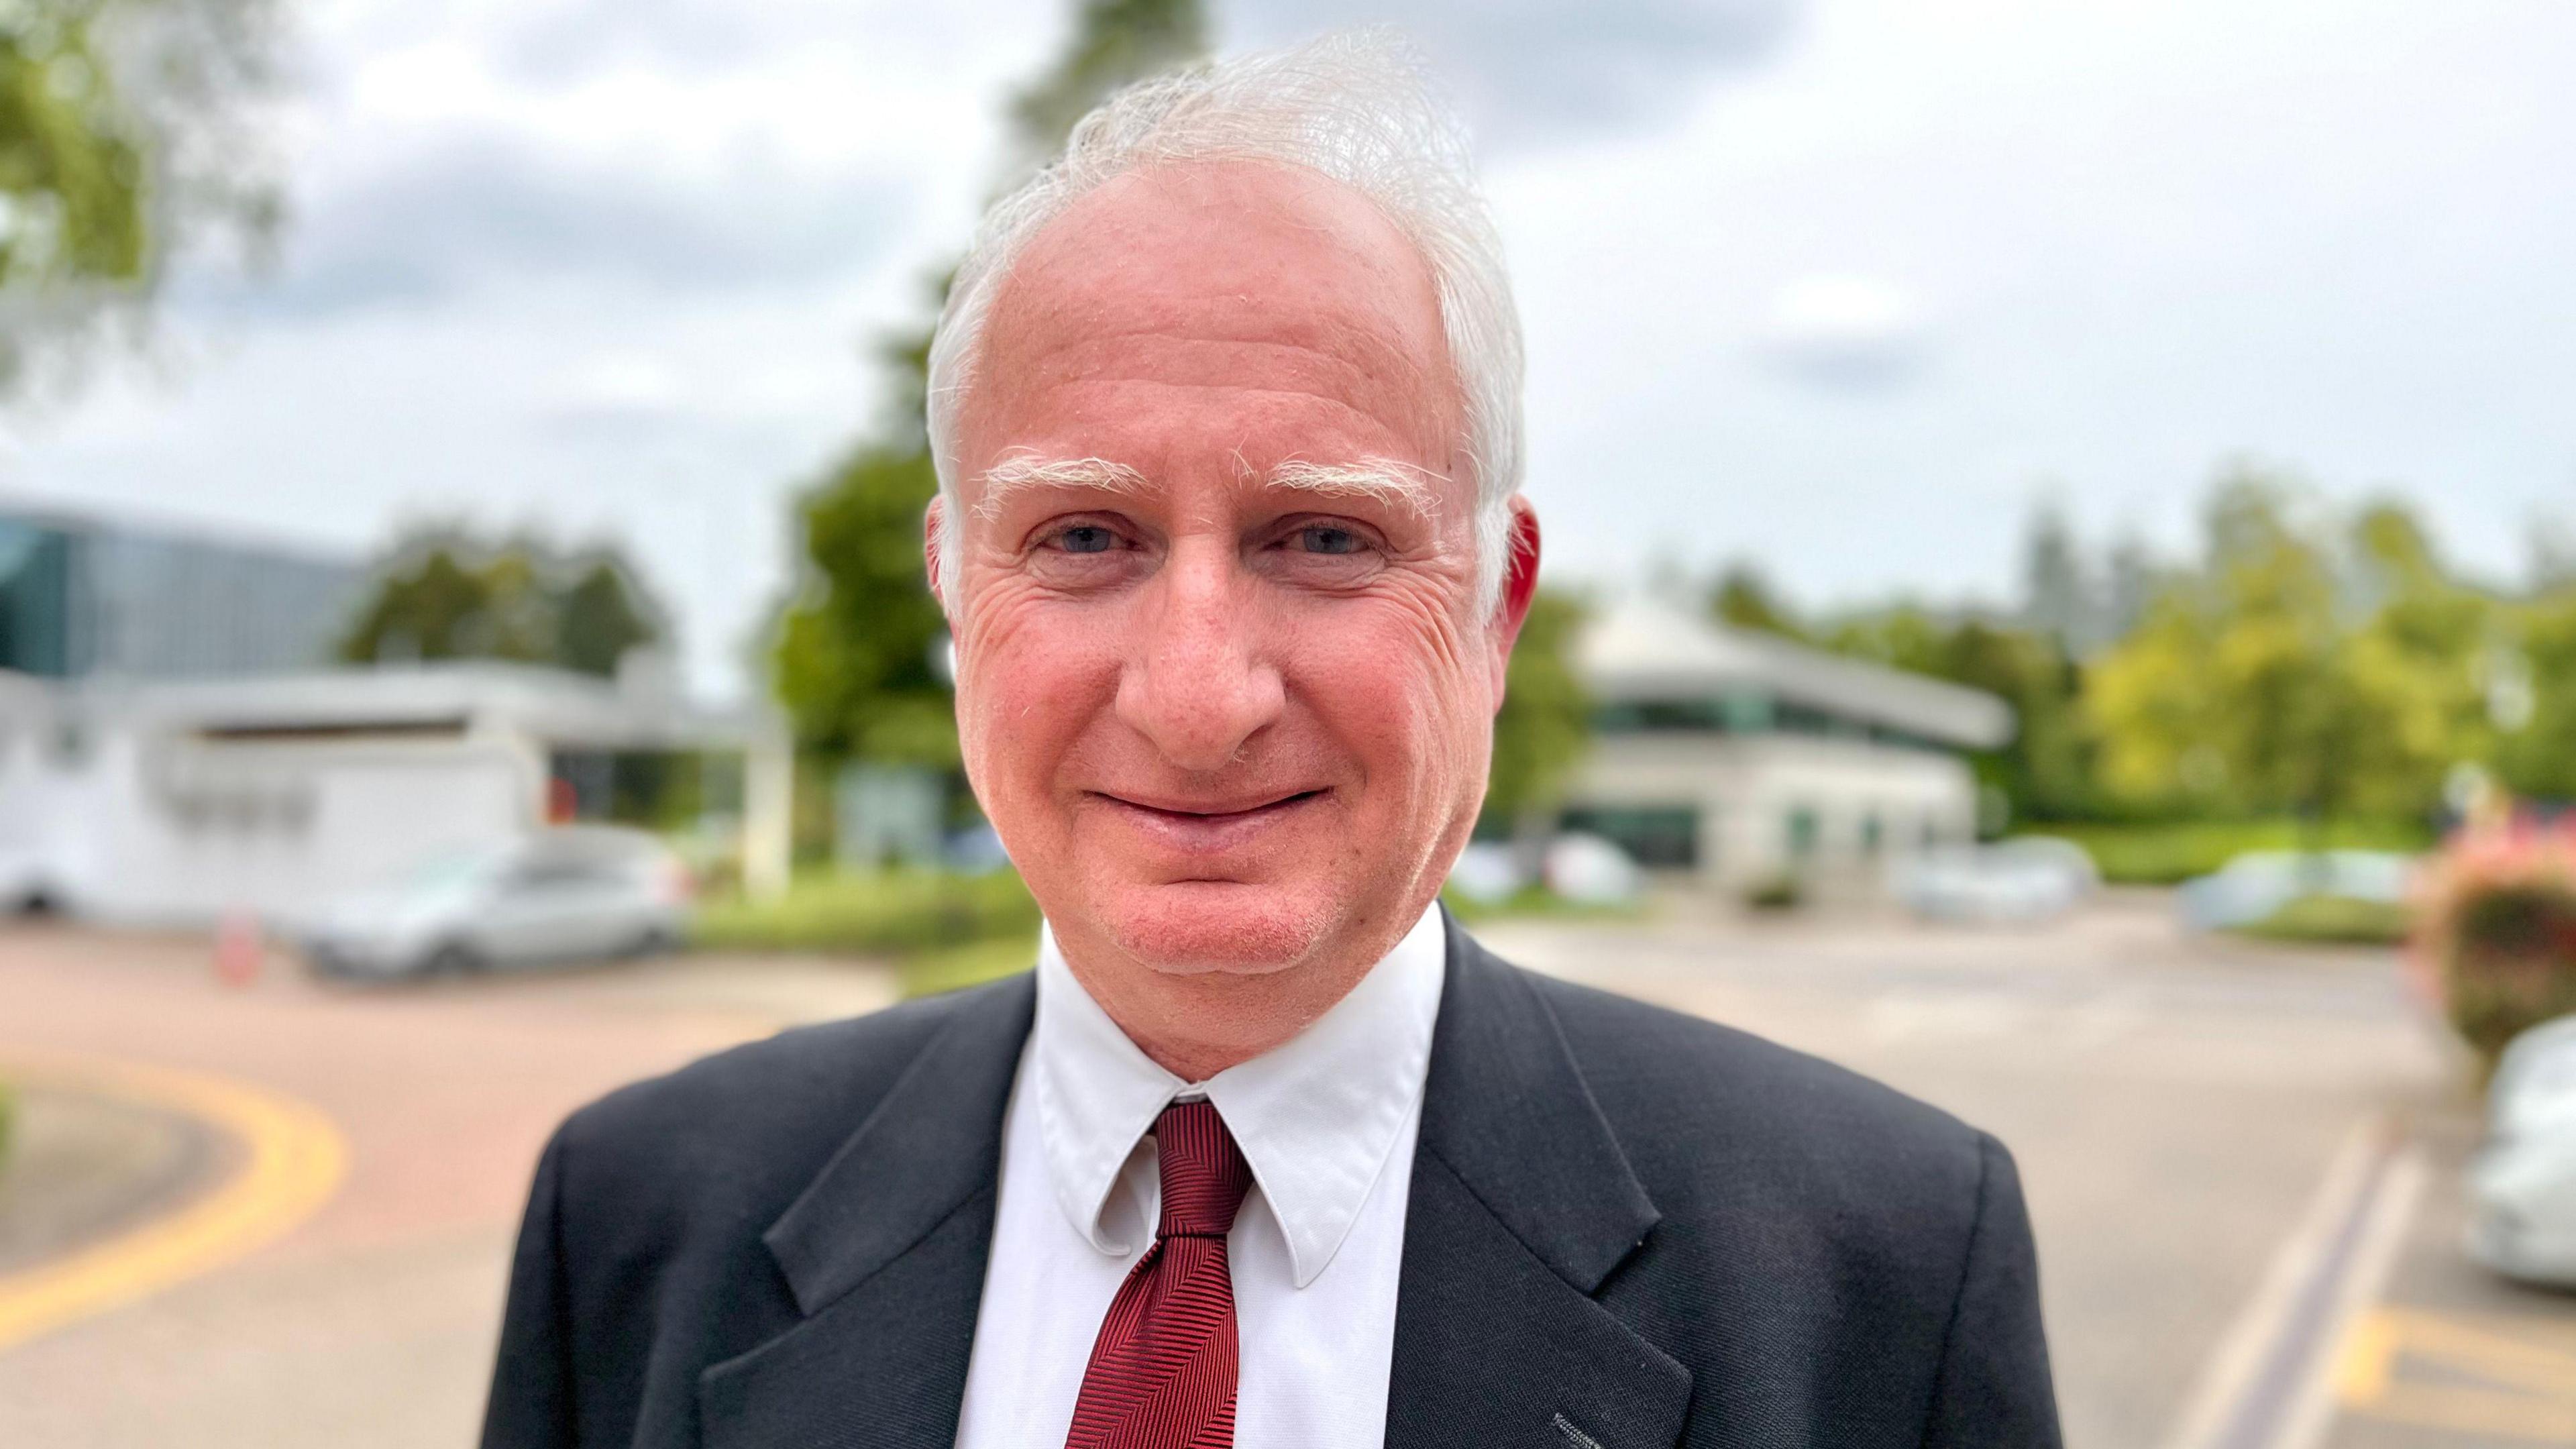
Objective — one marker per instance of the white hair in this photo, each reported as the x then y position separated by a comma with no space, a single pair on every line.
1355,107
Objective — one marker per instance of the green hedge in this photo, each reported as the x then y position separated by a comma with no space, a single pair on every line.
885,913
2507,950
2337,921
2173,852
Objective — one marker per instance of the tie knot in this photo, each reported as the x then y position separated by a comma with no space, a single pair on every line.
1204,1174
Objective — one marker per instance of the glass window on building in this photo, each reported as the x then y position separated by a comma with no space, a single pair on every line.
1805,832
35,599
1660,837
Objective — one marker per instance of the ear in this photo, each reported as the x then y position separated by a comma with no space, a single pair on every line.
930,547
1520,585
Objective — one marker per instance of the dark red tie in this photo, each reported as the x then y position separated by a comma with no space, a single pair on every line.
1162,1375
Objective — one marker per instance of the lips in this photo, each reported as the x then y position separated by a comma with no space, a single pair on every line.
1209,827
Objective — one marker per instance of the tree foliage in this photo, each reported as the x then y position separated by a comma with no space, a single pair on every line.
1744,597
855,654
1114,42
2295,670
2308,662
2536,681
447,596
128,130
1546,717
2045,770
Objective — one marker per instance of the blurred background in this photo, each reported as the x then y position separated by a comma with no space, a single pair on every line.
2061,594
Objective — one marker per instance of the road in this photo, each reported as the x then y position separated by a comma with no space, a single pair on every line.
2193,1123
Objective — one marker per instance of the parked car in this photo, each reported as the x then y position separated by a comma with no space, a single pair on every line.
23,889
2522,1184
2030,878
2256,885
562,894
1592,871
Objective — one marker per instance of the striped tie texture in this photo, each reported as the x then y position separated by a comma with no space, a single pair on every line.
1162,1375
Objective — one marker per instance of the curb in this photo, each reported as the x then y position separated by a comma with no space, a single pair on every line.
2269,1384
294,1160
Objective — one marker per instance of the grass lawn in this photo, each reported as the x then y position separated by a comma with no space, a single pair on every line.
949,968
2335,920
2167,854
1535,901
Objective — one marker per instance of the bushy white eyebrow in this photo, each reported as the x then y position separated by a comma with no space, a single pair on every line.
1384,480
1023,471
1398,485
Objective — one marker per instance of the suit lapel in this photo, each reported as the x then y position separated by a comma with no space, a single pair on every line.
885,1252
1522,1206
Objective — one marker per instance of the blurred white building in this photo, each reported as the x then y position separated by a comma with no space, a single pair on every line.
175,801
1740,757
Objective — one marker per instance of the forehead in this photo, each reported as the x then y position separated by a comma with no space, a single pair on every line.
1240,305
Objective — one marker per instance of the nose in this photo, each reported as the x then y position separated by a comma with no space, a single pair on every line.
1195,683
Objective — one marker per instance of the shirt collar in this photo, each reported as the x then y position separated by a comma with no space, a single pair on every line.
1316,1116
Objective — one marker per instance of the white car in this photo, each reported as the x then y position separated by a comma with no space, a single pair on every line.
2522,1185
561,894
2256,885
2028,878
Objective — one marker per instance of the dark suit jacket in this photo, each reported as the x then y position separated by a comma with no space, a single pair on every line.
1628,1228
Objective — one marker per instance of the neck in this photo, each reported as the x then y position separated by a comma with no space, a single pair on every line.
1197,1024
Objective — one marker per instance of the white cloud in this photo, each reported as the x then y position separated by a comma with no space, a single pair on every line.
1842,331
1534,72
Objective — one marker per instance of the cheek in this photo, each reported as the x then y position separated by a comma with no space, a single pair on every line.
1032,674
1404,696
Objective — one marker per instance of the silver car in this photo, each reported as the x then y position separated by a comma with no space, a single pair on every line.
2522,1186
562,894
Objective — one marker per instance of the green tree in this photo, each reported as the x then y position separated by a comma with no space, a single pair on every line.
855,658
2057,587
2045,770
2248,689
598,620
446,596
855,653
1545,721
1114,42
2536,753
1745,598
128,130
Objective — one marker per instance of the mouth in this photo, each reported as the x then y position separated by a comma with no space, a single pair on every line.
1208,827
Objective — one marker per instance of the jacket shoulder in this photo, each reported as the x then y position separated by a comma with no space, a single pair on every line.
753,1124
1709,1113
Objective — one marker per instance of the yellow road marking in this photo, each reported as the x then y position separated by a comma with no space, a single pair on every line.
2361,1373
2475,1411
295,1158
2522,1373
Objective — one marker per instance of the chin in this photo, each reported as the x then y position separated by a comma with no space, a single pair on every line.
1198,928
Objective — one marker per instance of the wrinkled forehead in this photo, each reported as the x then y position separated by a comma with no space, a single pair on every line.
1216,289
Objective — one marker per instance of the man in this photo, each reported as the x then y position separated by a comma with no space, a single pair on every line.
1266,1152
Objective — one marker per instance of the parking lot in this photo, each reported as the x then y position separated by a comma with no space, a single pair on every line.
2242,1164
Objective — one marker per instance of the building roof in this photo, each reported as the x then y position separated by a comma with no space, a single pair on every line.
1644,649
557,705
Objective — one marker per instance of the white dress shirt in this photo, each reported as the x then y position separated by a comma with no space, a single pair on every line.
1327,1121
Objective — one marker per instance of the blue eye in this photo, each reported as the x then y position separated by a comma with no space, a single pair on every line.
1087,538
1323,538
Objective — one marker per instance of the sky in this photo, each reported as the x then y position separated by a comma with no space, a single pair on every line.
1843,287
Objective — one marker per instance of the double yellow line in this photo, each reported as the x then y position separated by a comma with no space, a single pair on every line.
295,1159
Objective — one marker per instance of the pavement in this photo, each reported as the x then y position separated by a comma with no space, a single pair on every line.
84,1165
2241,1163
371,1321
